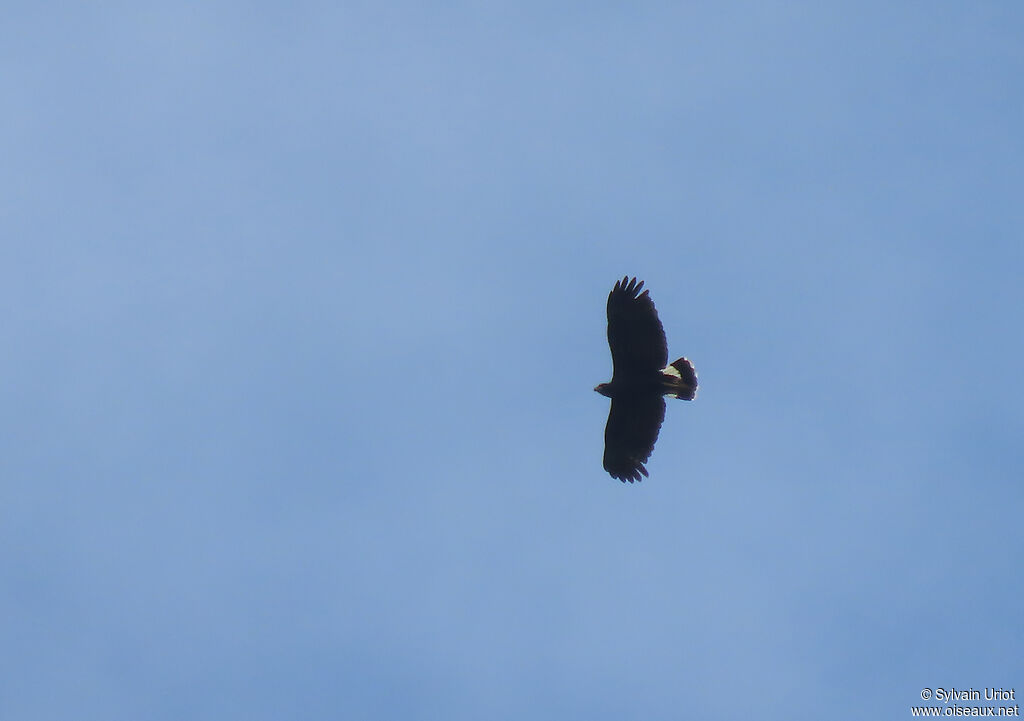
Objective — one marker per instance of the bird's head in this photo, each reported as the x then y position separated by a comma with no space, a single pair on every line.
602,388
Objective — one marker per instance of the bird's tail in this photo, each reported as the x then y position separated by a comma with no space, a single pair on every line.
681,379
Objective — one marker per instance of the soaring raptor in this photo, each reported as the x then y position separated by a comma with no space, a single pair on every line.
640,378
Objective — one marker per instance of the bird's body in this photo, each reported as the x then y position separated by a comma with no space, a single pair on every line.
640,379
664,382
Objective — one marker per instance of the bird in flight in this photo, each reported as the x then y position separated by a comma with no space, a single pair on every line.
640,379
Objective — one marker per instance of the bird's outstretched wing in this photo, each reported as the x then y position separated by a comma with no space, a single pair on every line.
629,437
635,335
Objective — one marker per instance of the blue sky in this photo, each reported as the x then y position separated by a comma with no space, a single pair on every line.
304,306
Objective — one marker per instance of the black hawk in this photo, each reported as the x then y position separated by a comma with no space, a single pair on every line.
640,379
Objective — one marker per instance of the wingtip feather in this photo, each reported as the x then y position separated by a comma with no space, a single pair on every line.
630,286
